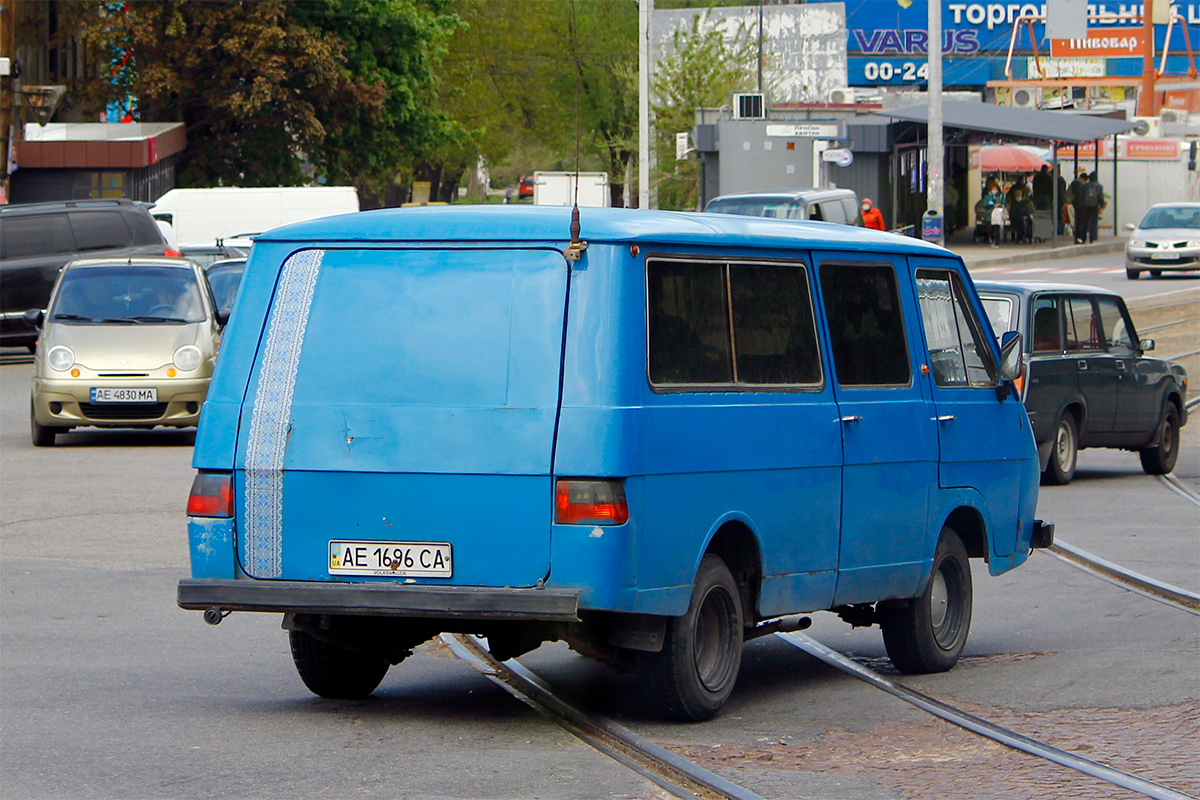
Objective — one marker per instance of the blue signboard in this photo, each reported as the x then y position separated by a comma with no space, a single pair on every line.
887,43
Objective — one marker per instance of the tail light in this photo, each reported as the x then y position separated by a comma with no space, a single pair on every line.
581,502
172,253
212,495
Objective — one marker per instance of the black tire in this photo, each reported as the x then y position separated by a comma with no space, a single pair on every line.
335,672
928,632
694,673
1064,453
41,435
1132,274
1160,459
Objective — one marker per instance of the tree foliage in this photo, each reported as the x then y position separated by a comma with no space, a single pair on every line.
701,68
261,84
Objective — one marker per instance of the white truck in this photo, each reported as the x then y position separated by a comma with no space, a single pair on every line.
558,189
223,212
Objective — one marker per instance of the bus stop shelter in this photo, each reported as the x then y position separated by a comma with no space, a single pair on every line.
1023,125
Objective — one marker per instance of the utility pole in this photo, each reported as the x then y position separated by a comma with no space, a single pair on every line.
645,11
935,153
1147,104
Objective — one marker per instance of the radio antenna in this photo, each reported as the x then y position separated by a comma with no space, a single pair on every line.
575,250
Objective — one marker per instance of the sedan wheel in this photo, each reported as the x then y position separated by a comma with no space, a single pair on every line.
1132,274
1064,453
1160,459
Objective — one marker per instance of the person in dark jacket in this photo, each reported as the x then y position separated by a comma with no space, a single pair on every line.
1090,203
1043,189
1075,197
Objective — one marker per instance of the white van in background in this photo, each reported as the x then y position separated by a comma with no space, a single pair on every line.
224,212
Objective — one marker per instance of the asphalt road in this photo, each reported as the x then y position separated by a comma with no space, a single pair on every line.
107,690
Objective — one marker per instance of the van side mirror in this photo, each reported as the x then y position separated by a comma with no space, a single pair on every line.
34,318
1011,356
1146,345
223,316
1129,226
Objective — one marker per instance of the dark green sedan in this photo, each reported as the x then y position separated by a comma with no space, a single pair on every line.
1088,381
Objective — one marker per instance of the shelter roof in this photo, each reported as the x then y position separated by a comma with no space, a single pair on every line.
1058,126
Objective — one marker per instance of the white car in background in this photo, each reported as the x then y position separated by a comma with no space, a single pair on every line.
1166,240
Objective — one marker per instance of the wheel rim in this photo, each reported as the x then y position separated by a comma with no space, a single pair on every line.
714,641
1168,437
1064,447
946,605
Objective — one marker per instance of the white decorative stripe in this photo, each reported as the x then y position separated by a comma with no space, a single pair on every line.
270,418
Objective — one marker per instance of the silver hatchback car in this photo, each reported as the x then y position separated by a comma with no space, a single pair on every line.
1166,240
125,343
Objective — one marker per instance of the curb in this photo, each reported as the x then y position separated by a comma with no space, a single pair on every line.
1054,253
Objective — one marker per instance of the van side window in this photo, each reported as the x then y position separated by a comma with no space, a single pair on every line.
774,333
958,354
689,326
1046,330
772,340
833,211
100,230
1083,326
1117,334
35,235
866,325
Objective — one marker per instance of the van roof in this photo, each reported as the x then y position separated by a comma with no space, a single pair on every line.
551,224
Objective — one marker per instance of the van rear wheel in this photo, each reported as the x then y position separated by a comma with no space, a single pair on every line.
694,673
335,672
928,633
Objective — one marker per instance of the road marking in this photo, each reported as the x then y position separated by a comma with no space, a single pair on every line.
1062,270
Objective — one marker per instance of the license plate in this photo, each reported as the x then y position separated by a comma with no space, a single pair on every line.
100,395
398,559
1163,256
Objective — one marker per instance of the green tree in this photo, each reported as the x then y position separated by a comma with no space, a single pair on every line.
261,85
700,70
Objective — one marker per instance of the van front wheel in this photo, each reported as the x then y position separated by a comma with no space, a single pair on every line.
335,672
928,632
694,673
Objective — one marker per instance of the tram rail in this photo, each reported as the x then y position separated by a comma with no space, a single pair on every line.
686,779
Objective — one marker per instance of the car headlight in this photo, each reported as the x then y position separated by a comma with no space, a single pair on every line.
1193,243
1136,243
60,358
187,357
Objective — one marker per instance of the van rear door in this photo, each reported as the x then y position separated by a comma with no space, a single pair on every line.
403,402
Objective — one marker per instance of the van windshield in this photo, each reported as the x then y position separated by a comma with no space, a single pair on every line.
128,294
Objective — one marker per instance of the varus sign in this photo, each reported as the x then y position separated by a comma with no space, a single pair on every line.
1101,43
883,28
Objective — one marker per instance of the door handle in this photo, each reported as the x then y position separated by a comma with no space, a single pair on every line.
1082,365
1120,366
851,418
945,418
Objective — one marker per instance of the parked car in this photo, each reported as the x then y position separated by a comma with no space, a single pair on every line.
654,444
1166,240
205,253
125,343
525,188
1088,381
826,205
37,239
224,277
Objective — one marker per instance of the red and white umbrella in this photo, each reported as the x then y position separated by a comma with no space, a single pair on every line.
1009,158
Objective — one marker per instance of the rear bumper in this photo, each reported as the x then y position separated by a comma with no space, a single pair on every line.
1043,535
373,599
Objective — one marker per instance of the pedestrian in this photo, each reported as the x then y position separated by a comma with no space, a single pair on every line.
1064,216
1092,203
1075,198
872,217
1043,188
995,214
1020,215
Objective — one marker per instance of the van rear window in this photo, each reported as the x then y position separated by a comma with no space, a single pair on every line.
770,339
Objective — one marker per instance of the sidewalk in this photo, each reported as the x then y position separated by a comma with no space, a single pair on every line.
982,256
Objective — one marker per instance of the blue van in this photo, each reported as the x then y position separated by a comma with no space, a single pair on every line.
654,440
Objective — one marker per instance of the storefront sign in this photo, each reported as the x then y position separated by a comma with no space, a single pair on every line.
806,130
1131,147
1101,43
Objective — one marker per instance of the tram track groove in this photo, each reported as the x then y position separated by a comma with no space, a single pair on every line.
1127,579
667,770
983,727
